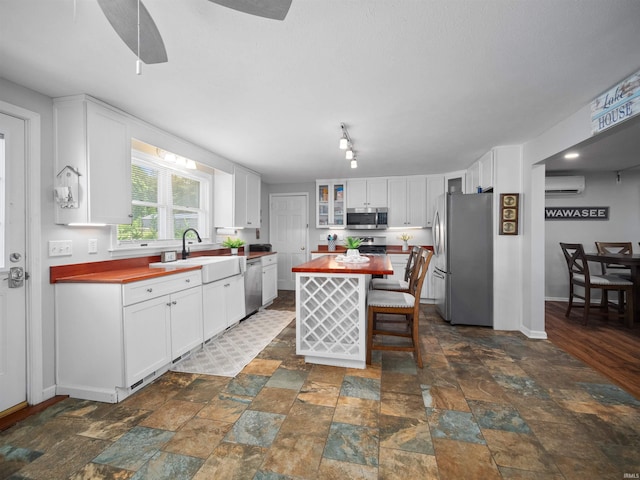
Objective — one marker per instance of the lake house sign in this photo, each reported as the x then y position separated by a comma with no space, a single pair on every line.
616,105
576,213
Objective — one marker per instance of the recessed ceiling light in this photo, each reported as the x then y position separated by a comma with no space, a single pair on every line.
571,155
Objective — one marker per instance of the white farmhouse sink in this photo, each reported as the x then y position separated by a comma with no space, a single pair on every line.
213,268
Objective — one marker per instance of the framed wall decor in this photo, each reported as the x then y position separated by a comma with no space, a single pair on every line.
509,207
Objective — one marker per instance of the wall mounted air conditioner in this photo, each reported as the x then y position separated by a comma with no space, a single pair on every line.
564,185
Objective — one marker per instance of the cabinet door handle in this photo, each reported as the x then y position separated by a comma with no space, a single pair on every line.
168,304
174,302
227,284
188,280
149,290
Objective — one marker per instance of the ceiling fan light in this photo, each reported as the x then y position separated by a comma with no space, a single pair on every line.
349,155
354,163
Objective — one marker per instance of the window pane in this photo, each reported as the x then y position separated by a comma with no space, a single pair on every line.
144,184
143,227
186,191
183,220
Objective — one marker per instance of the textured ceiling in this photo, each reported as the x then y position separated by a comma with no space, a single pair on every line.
424,86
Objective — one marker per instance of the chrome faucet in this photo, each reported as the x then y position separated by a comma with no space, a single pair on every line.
185,253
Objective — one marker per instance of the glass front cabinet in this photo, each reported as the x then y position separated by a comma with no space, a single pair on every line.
330,201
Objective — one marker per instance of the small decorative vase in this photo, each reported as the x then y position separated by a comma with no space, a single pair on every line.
234,251
405,245
332,245
353,252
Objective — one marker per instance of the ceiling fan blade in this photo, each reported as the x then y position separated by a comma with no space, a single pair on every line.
123,17
273,9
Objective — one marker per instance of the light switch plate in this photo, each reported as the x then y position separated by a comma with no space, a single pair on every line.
170,256
93,245
60,248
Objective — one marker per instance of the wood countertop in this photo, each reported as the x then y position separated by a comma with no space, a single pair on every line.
377,265
126,270
391,249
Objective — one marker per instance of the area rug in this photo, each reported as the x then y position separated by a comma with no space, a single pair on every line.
227,354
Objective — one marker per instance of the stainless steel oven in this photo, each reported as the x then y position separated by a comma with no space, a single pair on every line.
367,218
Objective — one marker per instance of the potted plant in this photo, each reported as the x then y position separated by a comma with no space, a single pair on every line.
352,244
233,244
405,237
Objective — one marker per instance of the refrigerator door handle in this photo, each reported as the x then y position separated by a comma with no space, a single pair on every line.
436,233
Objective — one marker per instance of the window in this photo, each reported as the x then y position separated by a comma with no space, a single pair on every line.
169,194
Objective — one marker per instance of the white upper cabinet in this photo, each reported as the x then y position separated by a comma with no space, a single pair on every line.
407,201
330,198
435,188
94,140
473,178
480,174
486,170
366,192
237,199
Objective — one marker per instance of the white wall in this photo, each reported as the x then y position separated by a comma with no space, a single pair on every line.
601,190
566,134
507,263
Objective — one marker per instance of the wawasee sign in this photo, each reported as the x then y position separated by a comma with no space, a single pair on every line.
576,213
618,104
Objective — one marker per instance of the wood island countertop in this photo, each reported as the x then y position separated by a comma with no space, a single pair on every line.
377,265
391,249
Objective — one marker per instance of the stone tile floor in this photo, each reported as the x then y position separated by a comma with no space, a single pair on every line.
487,405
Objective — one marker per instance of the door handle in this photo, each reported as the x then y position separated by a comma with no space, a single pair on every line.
16,277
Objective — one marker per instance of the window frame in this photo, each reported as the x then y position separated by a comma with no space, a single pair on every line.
165,204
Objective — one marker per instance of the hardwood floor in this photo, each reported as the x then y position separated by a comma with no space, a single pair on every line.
607,346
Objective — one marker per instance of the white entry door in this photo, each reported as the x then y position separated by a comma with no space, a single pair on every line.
289,234
13,340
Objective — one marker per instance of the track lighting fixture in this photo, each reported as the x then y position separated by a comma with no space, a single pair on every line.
347,144
345,140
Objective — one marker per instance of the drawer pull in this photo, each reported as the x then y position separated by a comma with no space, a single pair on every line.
188,280
149,290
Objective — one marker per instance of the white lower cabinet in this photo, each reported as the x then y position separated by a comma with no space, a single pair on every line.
112,339
269,278
223,304
147,338
399,263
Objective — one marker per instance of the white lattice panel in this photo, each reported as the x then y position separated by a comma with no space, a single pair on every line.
331,312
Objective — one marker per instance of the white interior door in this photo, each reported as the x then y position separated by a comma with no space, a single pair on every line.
289,234
13,341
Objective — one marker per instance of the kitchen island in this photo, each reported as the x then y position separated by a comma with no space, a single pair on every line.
331,309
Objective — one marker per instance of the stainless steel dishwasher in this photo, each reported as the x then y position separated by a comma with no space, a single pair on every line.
253,286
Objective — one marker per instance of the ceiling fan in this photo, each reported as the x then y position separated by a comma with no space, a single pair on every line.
144,39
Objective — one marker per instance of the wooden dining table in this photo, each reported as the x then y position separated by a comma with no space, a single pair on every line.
632,261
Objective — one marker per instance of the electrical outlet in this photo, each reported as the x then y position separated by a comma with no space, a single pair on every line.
60,248
93,245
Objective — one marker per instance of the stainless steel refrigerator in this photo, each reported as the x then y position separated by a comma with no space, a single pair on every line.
463,248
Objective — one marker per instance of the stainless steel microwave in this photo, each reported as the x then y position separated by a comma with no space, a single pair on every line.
367,218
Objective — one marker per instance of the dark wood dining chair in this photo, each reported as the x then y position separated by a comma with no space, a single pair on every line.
399,285
404,305
579,276
624,248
